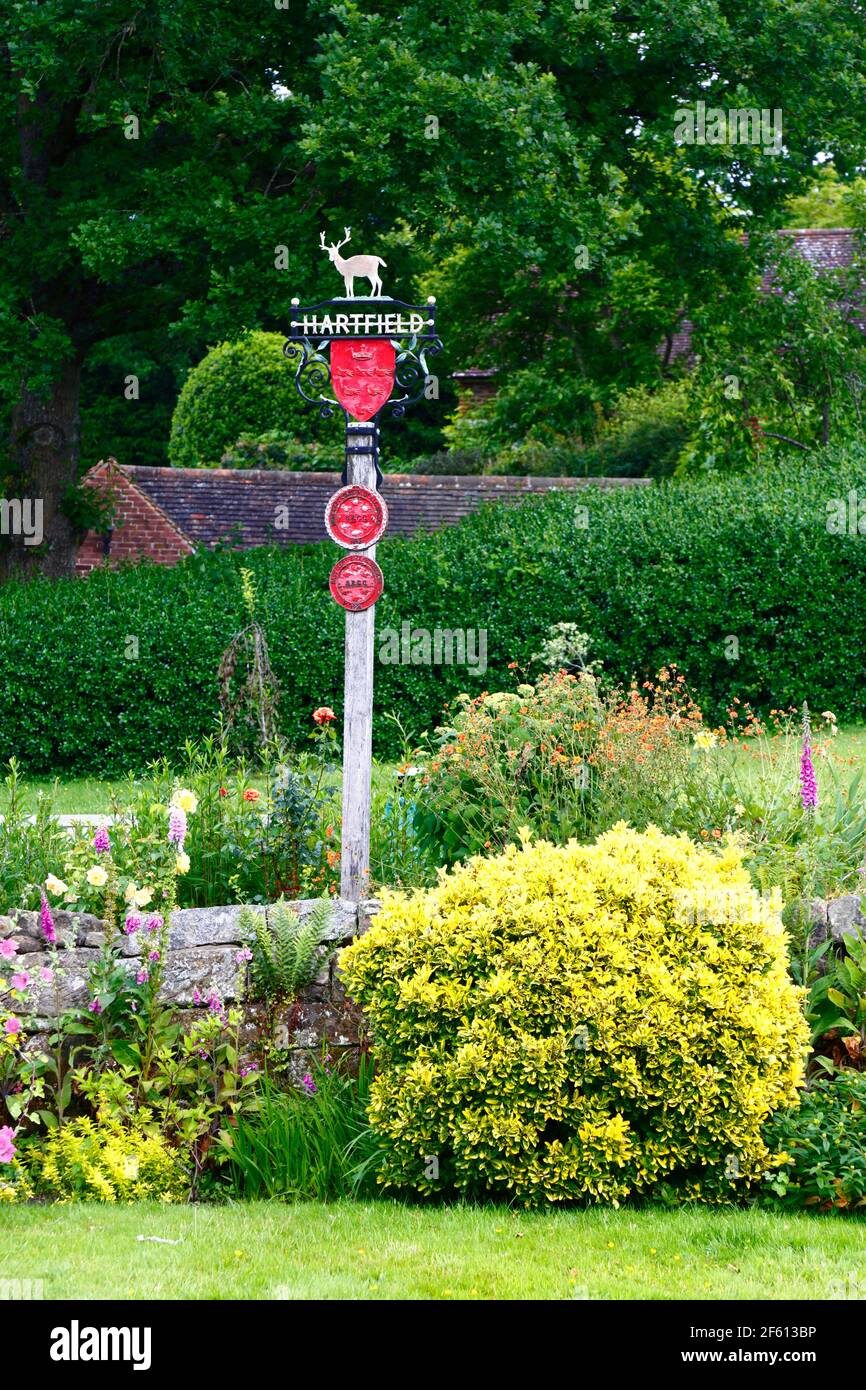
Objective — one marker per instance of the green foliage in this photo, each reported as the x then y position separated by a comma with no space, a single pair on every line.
239,389
550,1025
820,1147
782,361
655,574
102,1160
285,947
827,202
29,849
312,1144
277,449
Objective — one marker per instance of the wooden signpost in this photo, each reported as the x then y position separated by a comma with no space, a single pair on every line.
372,354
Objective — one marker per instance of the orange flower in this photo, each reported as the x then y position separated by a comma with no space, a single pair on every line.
324,714
251,794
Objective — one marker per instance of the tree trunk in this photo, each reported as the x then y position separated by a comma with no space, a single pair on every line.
44,448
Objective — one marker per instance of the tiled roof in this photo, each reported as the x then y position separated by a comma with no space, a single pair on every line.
263,506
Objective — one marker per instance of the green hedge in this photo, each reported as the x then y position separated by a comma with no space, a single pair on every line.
659,574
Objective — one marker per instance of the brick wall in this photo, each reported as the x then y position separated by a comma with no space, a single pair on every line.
141,530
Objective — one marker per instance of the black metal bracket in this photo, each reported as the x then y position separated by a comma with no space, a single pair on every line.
367,449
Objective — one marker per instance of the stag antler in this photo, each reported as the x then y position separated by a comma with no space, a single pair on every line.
322,246
348,232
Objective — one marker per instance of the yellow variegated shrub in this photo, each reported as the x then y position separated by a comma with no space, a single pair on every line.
580,1023
105,1161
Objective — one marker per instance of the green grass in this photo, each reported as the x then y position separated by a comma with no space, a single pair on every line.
383,1250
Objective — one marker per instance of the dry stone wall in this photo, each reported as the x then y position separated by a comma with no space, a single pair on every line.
203,944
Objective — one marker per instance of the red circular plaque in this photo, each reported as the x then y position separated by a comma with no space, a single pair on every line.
356,582
356,517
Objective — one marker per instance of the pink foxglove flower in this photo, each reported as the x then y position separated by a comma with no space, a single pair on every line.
808,785
101,842
47,922
177,826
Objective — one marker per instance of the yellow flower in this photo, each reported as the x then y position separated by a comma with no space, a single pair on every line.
143,897
186,800
56,885
705,739
130,891
97,877
182,863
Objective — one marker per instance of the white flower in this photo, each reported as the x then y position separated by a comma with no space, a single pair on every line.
182,863
186,800
705,739
143,897
97,877
130,891
739,809
56,885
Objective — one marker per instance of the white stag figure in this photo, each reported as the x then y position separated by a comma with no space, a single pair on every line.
366,267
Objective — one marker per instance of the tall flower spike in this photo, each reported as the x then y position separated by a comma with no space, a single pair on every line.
176,825
808,785
46,921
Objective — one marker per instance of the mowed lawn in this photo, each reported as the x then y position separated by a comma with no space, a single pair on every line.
385,1250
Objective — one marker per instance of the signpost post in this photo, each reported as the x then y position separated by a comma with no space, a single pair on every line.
373,345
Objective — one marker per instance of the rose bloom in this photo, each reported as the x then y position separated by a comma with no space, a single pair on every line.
55,885
143,897
324,714
97,877
182,863
251,794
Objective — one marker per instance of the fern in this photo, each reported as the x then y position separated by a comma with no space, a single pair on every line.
285,947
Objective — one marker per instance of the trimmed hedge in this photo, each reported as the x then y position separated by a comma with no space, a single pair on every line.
242,388
657,575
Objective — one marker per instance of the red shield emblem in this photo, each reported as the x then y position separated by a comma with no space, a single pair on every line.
362,374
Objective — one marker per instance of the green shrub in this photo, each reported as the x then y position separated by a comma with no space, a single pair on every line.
820,1148
245,388
551,1025
654,574
647,433
277,449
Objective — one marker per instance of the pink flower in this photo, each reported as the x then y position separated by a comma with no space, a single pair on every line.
101,842
808,785
12,1027
142,977
177,826
154,923
8,947
20,980
47,922
46,975
132,924
7,1148
243,954
309,1085
154,955
196,997
323,715
94,1006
